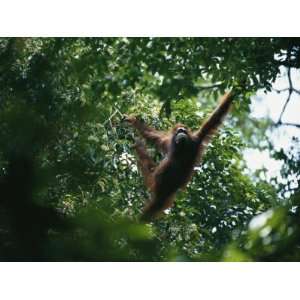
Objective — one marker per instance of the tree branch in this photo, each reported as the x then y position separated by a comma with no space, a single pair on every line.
288,124
286,89
280,91
112,115
296,91
285,105
291,89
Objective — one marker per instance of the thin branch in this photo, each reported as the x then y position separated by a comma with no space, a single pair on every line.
290,89
288,124
286,89
285,105
289,78
280,91
112,115
296,91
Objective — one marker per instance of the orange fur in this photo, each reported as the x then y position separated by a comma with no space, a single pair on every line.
183,149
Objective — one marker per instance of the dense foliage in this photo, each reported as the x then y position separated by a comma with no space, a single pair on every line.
69,184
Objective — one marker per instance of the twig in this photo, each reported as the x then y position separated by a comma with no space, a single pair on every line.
280,91
285,105
288,124
289,78
112,115
286,89
296,91
290,89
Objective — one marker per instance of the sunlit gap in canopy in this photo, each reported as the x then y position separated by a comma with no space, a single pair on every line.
270,105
